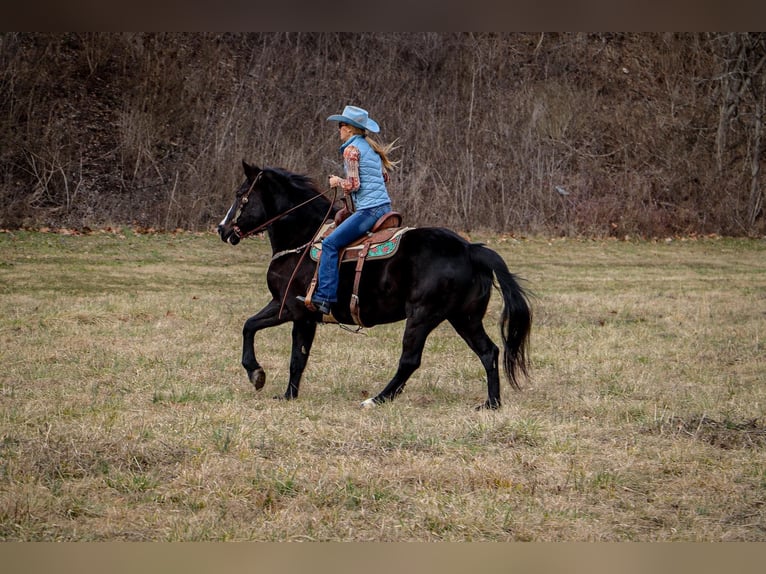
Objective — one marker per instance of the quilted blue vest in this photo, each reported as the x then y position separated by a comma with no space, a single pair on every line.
372,189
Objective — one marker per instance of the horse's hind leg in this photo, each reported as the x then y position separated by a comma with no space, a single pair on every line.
472,331
415,334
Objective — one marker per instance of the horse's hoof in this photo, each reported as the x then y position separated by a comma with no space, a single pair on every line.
258,378
488,405
368,404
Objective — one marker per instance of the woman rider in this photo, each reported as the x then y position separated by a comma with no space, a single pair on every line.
366,163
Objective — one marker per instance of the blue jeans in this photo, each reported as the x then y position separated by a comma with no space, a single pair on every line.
357,224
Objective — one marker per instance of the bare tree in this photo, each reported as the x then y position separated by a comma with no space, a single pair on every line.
741,110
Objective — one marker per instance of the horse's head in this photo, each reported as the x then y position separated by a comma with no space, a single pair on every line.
271,199
247,212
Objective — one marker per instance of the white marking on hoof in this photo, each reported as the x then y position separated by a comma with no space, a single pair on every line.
368,404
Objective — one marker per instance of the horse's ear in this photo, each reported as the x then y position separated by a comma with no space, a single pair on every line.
250,170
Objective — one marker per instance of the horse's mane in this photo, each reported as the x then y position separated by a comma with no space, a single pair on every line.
302,188
303,184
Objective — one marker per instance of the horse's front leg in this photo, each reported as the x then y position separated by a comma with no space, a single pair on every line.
303,337
265,318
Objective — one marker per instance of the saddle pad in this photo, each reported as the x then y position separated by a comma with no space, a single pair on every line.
383,244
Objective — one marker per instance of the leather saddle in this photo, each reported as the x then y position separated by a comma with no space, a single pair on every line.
380,242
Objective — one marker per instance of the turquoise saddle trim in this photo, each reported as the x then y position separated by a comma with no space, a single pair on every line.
377,250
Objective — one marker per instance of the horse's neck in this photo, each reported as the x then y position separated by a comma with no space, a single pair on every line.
297,220
289,235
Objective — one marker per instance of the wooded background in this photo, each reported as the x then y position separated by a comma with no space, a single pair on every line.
541,133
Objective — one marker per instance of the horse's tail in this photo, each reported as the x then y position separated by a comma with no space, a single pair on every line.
516,318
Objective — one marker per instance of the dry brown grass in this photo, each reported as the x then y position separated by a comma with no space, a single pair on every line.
124,414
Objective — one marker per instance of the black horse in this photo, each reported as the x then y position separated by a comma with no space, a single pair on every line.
435,275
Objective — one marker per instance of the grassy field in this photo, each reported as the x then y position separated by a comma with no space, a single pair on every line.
125,415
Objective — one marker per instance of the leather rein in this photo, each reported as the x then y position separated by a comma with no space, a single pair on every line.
243,201
245,198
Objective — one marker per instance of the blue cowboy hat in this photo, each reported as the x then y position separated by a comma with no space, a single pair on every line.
356,117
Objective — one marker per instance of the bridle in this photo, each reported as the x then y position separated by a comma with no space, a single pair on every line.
238,232
246,197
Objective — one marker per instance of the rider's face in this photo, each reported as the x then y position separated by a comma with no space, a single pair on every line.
344,131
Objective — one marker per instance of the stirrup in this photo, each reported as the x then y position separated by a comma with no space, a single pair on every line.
323,307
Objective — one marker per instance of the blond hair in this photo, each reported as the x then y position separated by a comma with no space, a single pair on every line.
383,150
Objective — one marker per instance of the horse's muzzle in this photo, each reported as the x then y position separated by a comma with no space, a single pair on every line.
228,235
